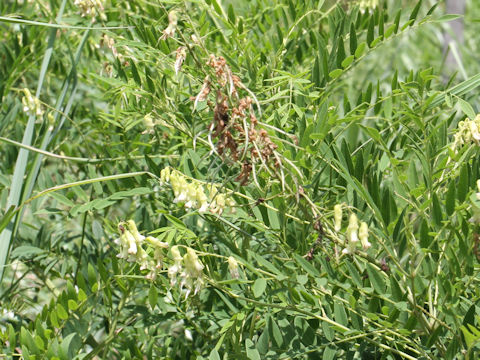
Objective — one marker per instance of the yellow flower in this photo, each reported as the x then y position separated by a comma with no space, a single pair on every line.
130,242
467,131
91,8
363,235
177,258
352,229
188,268
352,235
193,193
233,267
367,4
478,187
192,263
337,215
31,104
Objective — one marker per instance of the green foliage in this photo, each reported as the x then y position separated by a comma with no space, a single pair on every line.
271,113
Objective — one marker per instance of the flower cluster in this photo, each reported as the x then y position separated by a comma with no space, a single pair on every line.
367,4
148,252
468,131
132,249
354,234
91,8
187,270
149,124
31,104
193,193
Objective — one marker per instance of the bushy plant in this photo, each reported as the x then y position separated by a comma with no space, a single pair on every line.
230,180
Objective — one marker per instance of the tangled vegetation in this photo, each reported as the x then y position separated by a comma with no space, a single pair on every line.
238,180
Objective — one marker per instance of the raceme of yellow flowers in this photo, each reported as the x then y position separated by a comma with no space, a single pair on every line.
468,131
91,8
354,234
135,247
31,104
184,271
149,253
368,4
195,194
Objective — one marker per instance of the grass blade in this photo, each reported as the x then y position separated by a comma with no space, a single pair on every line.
7,234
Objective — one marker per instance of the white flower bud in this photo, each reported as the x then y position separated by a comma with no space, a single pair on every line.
363,235
474,130
132,244
132,227
337,215
192,263
31,104
165,175
177,257
478,187
148,122
233,267
158,256
352,229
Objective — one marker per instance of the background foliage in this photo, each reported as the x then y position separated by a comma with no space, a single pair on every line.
361,111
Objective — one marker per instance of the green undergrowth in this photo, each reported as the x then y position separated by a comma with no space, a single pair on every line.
237,180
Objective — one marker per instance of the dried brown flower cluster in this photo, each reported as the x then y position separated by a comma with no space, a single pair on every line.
234,122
